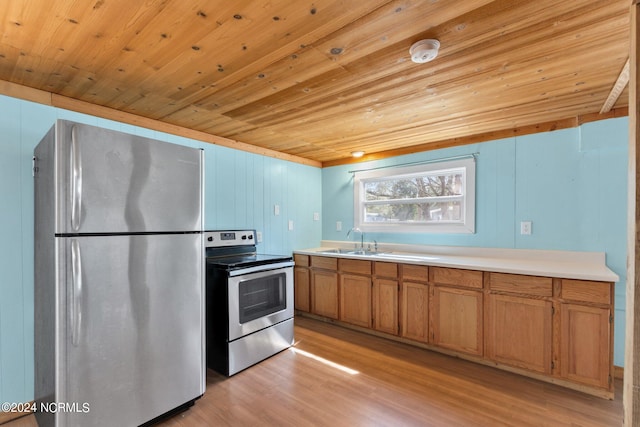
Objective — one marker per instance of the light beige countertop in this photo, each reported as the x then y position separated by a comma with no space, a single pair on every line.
549,263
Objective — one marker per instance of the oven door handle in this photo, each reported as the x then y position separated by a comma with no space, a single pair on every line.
263,267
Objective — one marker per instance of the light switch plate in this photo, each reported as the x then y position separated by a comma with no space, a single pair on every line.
290,225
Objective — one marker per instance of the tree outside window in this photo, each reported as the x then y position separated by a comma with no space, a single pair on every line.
432,197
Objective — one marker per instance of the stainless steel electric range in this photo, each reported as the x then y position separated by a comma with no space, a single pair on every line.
249,301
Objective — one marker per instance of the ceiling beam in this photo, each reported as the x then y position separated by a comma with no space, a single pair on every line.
617,89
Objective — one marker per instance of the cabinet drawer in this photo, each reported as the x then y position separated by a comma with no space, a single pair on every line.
385,269
354,266
301,260
519,284
456,277
586,291
419,273
324,262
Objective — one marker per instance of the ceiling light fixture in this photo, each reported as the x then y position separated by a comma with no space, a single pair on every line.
357,153
424,50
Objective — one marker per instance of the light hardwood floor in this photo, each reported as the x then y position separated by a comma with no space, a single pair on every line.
395,385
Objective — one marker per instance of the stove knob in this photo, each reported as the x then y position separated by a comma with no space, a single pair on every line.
244,237
250,236
210,238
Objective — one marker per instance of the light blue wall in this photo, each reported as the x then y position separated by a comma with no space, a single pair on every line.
572,185
241,189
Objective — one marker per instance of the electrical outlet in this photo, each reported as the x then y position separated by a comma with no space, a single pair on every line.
290,225
525,228
259,236
338,225
276,210
316,216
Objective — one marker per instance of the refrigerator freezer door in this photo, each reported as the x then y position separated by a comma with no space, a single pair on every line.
113,182
133,347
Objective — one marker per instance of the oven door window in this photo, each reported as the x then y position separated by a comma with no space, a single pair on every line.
261,297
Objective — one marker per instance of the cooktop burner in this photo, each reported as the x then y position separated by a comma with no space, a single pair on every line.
246,260
236,249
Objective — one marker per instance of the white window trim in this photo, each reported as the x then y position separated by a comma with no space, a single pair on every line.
466,226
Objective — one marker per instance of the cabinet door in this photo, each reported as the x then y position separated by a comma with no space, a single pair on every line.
520,332
302,289
385,305
355,299
585,349
324,293
456,320
415,311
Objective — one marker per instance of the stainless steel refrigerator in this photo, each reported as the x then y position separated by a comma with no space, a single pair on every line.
119,277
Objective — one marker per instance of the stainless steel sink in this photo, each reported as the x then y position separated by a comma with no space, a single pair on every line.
364,252
367,252
333,251
351,252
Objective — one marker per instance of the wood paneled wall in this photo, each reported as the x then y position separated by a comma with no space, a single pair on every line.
632,342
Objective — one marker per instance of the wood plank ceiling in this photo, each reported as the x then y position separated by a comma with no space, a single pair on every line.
319,79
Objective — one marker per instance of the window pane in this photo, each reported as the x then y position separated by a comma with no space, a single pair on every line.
434,185
435,197
430,212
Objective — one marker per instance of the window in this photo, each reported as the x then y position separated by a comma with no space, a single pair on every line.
429,198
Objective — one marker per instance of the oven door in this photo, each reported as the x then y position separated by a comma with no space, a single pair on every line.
259,299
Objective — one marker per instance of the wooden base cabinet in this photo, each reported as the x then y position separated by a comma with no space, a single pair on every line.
554,329
520,332
325,294
355,300
355,291
302,283
586,332
414,307
584,344
385,306
386,289
324,287
456,319
520,321
302,289
415,311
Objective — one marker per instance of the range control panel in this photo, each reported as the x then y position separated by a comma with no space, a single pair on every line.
223,238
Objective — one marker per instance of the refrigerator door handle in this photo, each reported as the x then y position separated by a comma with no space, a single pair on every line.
76,181
76,292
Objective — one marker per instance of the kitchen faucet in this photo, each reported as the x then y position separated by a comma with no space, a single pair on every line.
357,230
